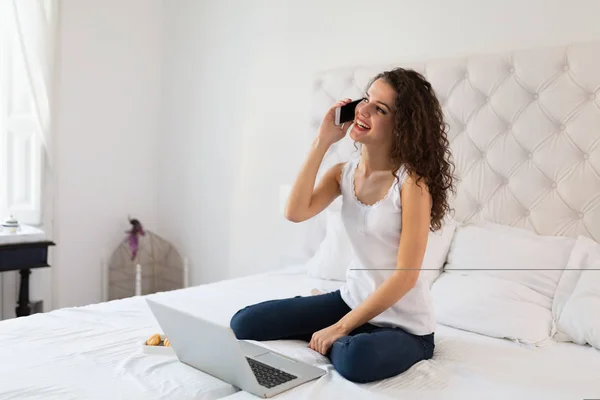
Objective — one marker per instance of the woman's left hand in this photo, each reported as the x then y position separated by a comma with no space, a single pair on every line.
322,340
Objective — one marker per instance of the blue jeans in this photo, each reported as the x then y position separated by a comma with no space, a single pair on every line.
369,353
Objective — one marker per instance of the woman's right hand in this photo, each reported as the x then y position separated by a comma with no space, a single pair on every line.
329,132
305,200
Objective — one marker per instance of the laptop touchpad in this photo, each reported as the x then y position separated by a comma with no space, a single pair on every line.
274,359
251,349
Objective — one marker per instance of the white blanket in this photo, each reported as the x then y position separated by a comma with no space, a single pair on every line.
94,352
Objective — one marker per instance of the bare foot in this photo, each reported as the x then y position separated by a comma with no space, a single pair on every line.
316,292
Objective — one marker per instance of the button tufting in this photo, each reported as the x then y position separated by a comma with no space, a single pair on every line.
592,96
530,156
466,75
509,127
586,156
580,215
536,96
566,68
512,70
554,185
527,213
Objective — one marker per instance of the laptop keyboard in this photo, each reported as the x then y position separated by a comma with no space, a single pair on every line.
268,376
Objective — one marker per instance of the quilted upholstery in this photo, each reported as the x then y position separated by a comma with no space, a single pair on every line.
524,128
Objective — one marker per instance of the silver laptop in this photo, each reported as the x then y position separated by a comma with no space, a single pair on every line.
215,350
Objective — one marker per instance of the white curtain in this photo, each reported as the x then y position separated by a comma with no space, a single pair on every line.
27,168
35,34
28,31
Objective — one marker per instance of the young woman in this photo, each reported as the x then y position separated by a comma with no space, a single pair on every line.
381,322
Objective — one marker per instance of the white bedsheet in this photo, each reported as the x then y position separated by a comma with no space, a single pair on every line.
94,352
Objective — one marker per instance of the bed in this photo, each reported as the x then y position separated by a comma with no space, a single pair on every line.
94,352
524,129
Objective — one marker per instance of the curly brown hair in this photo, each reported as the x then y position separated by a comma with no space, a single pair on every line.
420,141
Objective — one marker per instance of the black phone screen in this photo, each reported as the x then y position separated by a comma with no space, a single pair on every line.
347,111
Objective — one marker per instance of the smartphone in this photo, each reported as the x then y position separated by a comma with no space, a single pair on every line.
345,113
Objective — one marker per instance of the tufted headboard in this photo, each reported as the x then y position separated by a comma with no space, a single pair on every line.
524,129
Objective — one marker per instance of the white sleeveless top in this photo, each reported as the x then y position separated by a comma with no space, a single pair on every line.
374,232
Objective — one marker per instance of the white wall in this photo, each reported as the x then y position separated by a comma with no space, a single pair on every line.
237,81
107,102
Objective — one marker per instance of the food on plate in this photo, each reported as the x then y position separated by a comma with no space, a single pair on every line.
154,340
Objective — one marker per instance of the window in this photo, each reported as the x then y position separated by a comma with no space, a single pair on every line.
24,116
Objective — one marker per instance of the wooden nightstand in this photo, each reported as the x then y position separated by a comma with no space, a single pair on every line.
23,257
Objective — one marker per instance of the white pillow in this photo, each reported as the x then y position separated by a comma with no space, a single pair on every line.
500,281
311,234
566,286
333,257
577,308
436,252
493,307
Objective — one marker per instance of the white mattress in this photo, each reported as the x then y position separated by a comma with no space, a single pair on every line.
94,352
